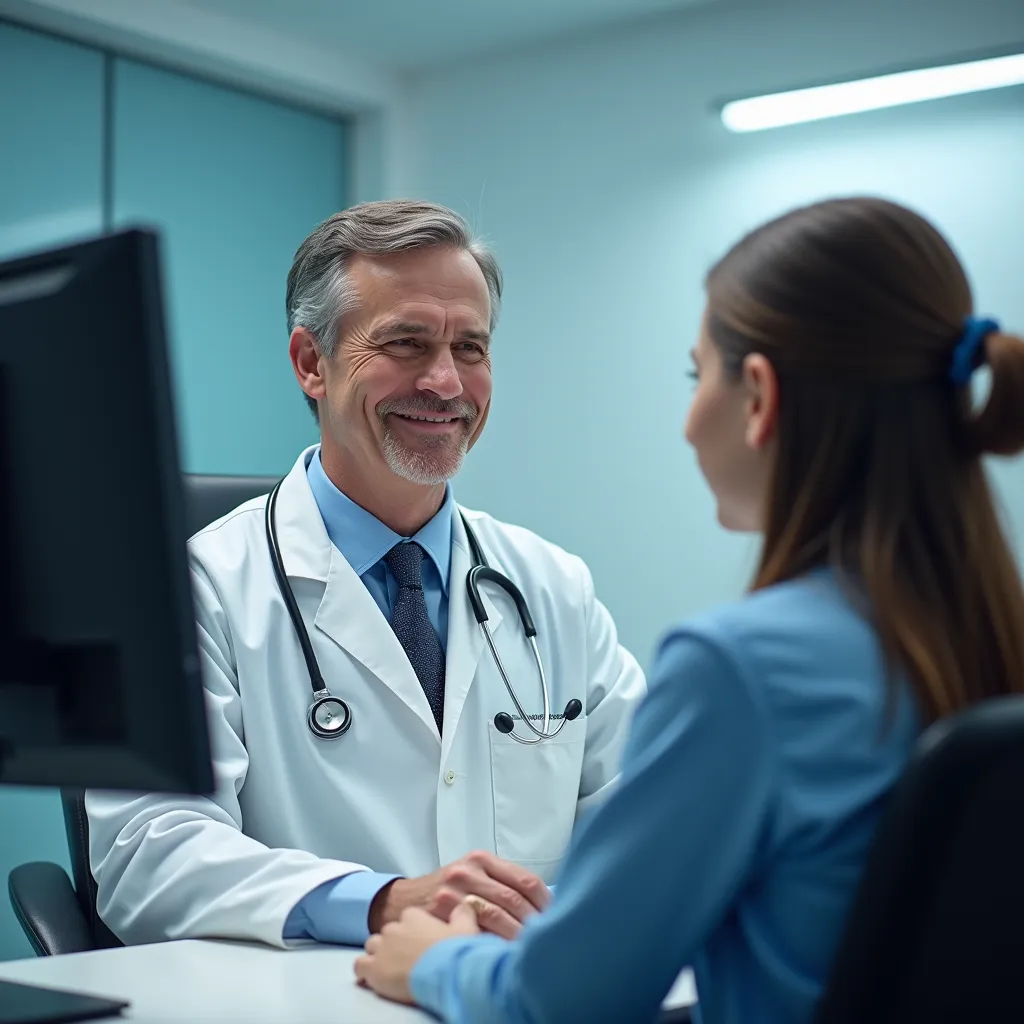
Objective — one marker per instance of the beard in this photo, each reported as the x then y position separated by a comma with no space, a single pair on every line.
436,458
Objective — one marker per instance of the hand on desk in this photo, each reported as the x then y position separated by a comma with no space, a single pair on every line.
391,956
511,894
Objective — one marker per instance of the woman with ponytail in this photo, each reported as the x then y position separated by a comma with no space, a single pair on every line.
833,414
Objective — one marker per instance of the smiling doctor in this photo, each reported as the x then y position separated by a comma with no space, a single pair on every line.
412,777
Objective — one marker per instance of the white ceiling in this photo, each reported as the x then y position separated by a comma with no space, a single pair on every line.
407,35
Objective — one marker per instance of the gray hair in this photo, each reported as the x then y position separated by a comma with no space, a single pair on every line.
319,291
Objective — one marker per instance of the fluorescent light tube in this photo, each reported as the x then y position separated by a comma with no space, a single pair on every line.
824,101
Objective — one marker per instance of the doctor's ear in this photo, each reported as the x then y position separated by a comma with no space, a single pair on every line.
306,358
762,400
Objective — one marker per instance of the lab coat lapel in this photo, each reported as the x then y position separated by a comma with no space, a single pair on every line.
466,642
347,614
301,534
352,619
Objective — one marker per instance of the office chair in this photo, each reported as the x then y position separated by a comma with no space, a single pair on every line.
936,930
59,916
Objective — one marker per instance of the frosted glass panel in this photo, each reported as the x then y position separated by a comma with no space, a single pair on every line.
236,183
50,115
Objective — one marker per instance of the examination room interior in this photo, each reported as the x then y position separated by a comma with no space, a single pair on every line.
581,138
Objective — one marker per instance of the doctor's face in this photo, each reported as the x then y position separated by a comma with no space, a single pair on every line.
409,388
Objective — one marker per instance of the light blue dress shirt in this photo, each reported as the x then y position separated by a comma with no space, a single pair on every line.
752,782
337,911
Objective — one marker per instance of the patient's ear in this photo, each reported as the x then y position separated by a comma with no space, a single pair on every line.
762,404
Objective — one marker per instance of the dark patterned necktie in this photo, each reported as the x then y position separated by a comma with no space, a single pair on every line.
412,625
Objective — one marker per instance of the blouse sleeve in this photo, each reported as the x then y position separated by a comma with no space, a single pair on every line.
649,874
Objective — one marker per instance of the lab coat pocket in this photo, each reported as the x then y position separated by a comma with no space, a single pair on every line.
535,790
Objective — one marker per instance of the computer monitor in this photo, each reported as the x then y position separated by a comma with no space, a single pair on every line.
99,672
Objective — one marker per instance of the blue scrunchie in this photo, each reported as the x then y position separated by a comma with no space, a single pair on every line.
969,353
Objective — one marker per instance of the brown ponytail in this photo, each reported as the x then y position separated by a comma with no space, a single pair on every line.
998,428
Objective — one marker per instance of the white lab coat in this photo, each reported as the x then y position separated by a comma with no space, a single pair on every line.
292,811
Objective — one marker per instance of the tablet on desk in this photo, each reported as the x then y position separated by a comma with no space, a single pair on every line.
29,1004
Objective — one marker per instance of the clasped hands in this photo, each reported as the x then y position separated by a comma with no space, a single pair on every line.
479,892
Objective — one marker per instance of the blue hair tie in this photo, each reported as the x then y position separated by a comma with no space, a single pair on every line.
969,353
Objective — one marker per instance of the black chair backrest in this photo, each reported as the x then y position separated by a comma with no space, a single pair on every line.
206,498
209,497
936,931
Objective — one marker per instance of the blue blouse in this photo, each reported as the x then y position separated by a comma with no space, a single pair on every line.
752,782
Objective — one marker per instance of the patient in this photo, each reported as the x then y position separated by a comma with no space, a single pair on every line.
833,415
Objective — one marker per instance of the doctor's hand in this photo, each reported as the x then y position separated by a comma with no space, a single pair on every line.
511,893
391,956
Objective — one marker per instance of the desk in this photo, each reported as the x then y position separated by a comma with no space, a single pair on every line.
203,982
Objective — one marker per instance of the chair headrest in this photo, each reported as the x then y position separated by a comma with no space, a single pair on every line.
207,498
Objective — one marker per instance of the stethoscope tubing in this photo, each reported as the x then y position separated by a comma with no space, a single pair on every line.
325,705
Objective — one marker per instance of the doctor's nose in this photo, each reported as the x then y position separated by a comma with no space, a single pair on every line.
441,377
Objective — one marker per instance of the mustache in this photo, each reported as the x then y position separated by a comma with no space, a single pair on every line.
425,405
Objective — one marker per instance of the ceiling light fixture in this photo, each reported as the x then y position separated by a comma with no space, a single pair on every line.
799,105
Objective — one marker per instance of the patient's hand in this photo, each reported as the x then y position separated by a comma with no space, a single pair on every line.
392,955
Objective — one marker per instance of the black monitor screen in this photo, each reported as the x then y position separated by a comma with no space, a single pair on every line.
99,674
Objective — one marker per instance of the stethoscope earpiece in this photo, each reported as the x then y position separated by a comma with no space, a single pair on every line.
504,722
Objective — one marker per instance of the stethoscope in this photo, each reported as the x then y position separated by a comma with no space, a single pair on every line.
329,717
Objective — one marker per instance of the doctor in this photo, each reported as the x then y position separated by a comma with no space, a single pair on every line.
407,787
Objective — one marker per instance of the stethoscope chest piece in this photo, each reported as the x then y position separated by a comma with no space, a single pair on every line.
329,717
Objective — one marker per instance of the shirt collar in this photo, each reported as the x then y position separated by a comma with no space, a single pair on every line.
363,539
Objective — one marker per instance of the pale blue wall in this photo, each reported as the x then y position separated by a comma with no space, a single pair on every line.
607,185
235,183
50,191
50,140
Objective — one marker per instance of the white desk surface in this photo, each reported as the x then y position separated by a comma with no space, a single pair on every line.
202,981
